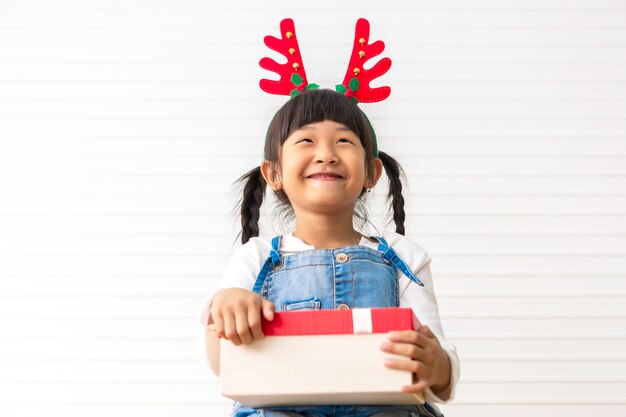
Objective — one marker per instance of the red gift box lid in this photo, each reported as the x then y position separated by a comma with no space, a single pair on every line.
318,322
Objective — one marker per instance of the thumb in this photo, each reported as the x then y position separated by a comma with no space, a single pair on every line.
268,309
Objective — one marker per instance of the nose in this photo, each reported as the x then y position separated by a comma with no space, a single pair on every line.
325,154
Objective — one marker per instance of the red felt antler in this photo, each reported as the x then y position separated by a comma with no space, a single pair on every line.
292,75
357,79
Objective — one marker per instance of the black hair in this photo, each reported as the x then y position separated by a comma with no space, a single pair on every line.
312,106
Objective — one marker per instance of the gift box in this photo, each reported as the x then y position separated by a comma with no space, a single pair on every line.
319,357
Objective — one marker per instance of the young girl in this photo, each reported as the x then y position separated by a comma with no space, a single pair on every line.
321,159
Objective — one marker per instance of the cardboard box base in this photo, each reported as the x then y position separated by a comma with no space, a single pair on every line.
309,370
325,399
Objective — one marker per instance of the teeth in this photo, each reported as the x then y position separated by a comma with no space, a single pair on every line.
324,176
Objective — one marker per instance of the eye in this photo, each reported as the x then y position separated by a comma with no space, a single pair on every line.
305,140
344,140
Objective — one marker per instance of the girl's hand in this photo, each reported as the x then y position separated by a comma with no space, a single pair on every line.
429,362
236,315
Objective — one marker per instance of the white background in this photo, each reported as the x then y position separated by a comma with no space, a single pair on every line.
124,123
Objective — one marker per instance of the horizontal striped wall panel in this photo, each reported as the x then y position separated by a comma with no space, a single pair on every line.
124,125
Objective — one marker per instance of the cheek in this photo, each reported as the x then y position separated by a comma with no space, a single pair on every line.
359,165
289,169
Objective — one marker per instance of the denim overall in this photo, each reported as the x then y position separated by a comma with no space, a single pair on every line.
342,278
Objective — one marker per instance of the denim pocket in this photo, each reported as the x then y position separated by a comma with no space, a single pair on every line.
312,304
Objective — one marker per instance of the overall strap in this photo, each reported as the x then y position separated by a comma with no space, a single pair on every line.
275,252
273,261
390,257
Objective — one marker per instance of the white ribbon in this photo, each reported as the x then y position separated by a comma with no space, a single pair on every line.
362,320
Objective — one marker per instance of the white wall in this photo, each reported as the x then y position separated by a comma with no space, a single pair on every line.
123,124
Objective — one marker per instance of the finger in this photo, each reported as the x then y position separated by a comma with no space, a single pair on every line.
421,374
415,367
230,329
425,330
419,387
405,349
405,336
243,328
218,324
268,309
254,322
412,337
428,339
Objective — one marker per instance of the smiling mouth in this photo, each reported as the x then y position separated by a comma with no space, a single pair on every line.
325,177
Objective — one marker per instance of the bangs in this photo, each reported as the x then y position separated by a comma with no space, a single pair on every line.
315,106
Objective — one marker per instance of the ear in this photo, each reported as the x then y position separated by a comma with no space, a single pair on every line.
271,175
375,174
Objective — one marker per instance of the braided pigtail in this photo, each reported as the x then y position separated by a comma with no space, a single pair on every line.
394,171
250,203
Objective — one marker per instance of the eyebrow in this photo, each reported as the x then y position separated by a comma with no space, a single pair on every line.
309,127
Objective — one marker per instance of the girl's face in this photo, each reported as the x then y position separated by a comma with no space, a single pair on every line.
322,168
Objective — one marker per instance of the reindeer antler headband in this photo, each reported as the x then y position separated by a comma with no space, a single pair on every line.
356,82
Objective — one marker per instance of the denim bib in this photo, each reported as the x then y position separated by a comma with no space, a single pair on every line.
347,277
342,278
